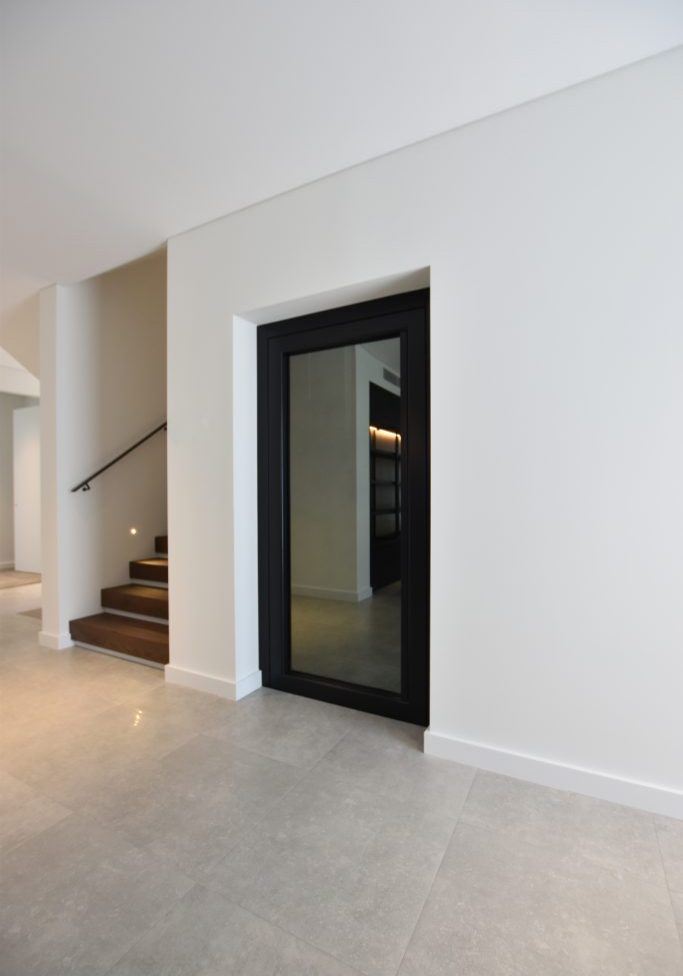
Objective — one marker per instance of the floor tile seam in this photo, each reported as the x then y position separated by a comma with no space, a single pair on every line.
277,925
678,927
254,752
600,869
254,824
347,779
264,755
8,849
157,921
117,833
588,858
344,777
37,833
269,807
160,756
433,881
326,753
152,760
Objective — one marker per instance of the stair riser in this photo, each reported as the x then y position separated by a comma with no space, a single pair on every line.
113,599
119,655
161,544
157,574
133,645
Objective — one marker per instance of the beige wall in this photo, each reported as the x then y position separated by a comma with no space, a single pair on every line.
103,352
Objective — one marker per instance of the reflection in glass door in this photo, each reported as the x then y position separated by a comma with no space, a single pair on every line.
344,512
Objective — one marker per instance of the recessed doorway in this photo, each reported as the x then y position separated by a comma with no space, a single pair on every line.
343,505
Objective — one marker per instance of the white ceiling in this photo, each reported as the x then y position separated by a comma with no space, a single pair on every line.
125,122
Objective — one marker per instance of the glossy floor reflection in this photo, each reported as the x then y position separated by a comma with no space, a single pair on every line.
151,830
356,642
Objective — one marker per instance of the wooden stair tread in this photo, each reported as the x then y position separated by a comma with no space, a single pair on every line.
136,598
138,638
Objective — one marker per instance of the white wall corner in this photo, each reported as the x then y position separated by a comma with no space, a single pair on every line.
56,642
212,684
603,786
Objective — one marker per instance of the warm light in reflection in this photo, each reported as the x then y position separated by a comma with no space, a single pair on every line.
384,433
133,531
137,719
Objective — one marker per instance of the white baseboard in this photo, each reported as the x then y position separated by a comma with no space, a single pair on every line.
9,565
328,593
232,690
56,642
245,686
630,793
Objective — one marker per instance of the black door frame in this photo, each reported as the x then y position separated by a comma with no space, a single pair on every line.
405,316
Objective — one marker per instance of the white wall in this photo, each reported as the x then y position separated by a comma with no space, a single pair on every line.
8,404
27,545
553,234
329,398
103,381
323,462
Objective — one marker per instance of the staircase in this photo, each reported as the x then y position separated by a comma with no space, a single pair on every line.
134,618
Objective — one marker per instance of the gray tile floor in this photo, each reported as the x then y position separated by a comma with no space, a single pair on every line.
357,642
151,830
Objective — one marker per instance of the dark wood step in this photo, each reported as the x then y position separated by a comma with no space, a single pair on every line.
153,568
138,638
152,601
161,543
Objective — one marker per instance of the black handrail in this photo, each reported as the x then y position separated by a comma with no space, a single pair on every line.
85,485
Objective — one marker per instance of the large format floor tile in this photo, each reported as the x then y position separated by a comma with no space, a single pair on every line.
193,804
375,759
573,827
670,836
286,727
678,912
206,935
341,868
75,899
24,812
76,761
501,905
149,830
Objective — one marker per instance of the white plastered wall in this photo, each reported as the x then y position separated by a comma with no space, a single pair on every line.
103,386
323,475
553,234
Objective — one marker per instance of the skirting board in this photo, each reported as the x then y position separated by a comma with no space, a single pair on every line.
56,642
232,690
326,593
630,793
9,565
